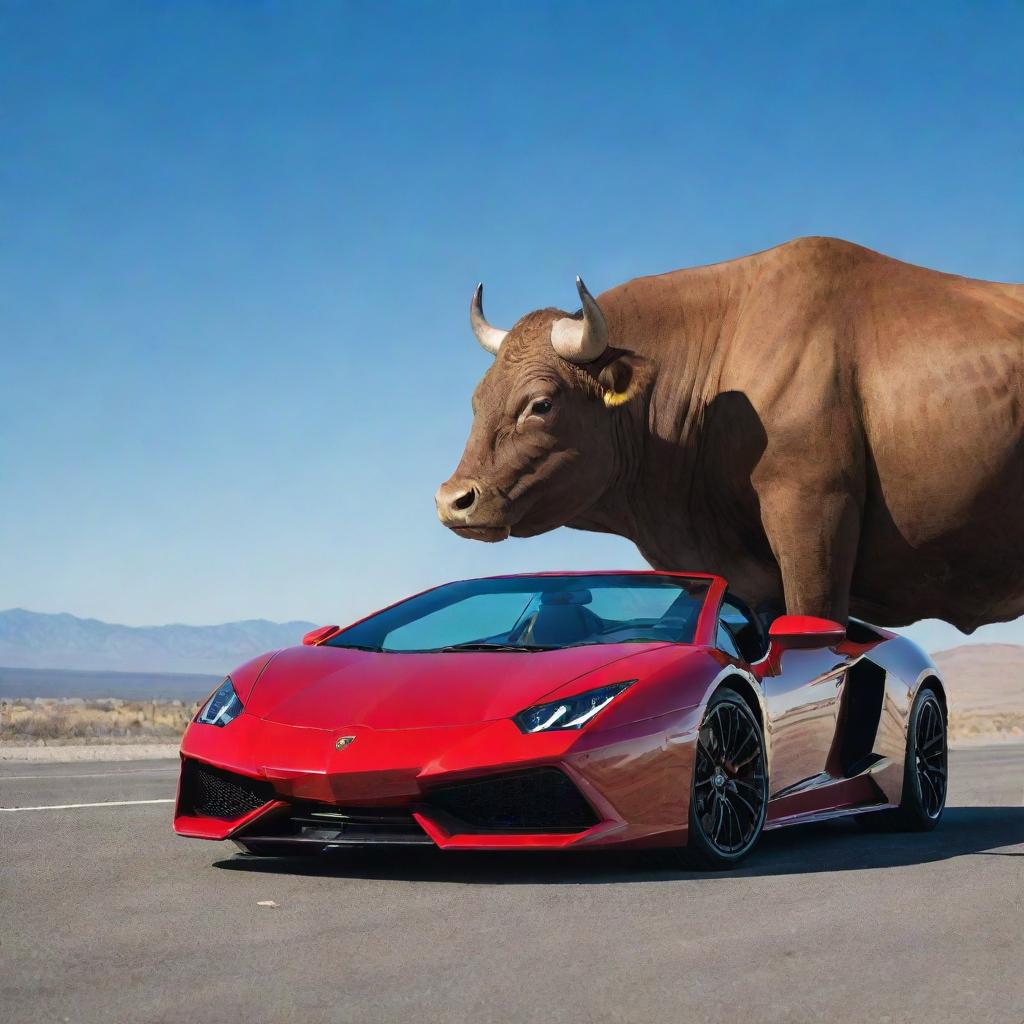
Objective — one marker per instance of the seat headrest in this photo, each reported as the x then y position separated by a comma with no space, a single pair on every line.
560,624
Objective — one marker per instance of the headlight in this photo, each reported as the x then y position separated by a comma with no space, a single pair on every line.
571,713
223,707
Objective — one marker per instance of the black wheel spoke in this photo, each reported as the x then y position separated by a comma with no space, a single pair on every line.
725,730
704,745
736,736
730,814
755,790
742,828
738,752
928,790
749,760
719,822
750,808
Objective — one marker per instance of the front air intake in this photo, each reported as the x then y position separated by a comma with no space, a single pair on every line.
325,825
539,800
209,792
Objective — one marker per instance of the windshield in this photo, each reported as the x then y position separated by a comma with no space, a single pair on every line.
530,613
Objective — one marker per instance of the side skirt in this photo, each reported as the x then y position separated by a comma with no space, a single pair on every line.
828,799
812,816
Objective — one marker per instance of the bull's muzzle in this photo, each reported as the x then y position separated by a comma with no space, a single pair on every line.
461,507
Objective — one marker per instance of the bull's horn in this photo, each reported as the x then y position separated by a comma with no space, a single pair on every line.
581,339
489,337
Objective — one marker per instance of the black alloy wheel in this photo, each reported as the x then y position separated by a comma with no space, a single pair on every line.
930,756
729,796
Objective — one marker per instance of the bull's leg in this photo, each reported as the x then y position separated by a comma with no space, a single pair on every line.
814,537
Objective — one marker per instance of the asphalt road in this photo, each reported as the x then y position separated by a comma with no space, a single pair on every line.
107,916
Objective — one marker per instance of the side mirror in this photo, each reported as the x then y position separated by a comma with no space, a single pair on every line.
319,635
795,632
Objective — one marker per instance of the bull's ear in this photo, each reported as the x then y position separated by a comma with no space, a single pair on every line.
621,380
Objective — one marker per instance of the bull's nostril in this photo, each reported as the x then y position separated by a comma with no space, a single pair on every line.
465,500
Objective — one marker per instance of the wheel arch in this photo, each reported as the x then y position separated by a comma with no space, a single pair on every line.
751,694
749,688
933,681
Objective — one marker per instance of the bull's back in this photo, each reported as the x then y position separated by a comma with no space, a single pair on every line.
939,364
913,380
931,366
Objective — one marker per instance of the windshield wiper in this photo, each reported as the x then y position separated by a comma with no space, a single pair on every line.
609,643
647,640
476,645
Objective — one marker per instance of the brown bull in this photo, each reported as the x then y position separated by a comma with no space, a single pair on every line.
828,428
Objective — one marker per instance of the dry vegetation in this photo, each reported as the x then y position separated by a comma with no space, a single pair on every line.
969,727
51,722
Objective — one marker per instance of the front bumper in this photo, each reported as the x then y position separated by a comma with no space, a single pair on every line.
480,787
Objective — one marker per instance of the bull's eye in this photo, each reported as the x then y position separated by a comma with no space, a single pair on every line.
541,407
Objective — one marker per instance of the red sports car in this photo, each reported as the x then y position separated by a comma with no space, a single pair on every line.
567,711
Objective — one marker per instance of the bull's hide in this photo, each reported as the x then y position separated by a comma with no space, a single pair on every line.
829,428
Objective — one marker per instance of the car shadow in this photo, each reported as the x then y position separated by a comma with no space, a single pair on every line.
832,846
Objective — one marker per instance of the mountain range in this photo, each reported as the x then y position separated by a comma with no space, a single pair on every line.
37,640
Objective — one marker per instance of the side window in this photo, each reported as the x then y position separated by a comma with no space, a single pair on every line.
724,640
743,629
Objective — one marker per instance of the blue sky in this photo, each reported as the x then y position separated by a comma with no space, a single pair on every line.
238,241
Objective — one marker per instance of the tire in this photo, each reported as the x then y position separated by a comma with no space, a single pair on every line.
728,785
925,771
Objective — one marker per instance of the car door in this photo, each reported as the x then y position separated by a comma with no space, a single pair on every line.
803,690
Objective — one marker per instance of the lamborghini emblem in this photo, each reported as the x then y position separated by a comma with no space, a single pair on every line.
342,742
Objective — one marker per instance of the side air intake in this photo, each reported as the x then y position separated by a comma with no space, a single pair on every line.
209,792
859,716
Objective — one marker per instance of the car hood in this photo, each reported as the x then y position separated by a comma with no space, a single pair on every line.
333,687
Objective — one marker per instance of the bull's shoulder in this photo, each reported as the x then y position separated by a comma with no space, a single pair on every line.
830,278
812,258
825,258
820,247
819,257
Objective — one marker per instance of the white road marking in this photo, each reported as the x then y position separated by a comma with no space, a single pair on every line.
85,775
108,803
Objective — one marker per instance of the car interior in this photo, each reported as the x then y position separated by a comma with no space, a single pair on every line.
740,632
562,618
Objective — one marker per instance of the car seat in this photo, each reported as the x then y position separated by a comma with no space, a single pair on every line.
556,625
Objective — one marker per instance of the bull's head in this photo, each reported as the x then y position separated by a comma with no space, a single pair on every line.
543,449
